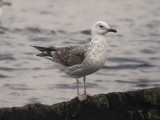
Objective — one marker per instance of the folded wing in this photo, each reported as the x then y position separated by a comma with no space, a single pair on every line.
67,56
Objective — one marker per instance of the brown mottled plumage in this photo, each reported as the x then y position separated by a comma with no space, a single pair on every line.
67,56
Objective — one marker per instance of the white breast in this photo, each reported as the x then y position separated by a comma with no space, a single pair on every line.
97,54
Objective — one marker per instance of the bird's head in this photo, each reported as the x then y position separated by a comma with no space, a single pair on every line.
101,28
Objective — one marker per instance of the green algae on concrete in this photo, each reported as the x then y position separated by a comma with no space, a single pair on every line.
133,105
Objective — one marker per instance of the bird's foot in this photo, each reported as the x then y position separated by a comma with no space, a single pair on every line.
85,93
82,97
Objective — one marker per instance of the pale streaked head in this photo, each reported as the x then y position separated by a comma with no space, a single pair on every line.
101,28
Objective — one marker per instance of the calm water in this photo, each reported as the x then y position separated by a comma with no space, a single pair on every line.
133,53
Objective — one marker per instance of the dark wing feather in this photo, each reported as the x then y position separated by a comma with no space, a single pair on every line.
67,56
42,49
46,51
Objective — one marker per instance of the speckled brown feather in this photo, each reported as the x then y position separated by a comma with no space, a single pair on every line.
67,56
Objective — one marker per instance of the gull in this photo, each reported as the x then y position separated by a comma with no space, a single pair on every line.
81,60
2,3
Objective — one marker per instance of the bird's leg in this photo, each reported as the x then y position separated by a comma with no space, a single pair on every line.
77,81
84,81
81,97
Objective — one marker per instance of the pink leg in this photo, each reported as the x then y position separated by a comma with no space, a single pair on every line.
77,81
81,97
84,81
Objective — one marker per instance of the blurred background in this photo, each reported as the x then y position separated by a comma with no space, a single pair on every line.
133,53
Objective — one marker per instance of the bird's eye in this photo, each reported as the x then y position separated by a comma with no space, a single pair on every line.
101,26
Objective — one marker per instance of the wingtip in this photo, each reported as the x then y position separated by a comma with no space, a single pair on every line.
31,45
34,46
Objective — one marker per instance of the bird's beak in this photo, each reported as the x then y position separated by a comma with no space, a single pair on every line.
112,30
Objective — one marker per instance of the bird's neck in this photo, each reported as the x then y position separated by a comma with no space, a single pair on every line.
98,38
98,42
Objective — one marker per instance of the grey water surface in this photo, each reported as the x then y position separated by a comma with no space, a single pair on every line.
133,53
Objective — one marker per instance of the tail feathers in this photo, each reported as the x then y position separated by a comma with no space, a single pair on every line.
42,49
43,54
46,51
